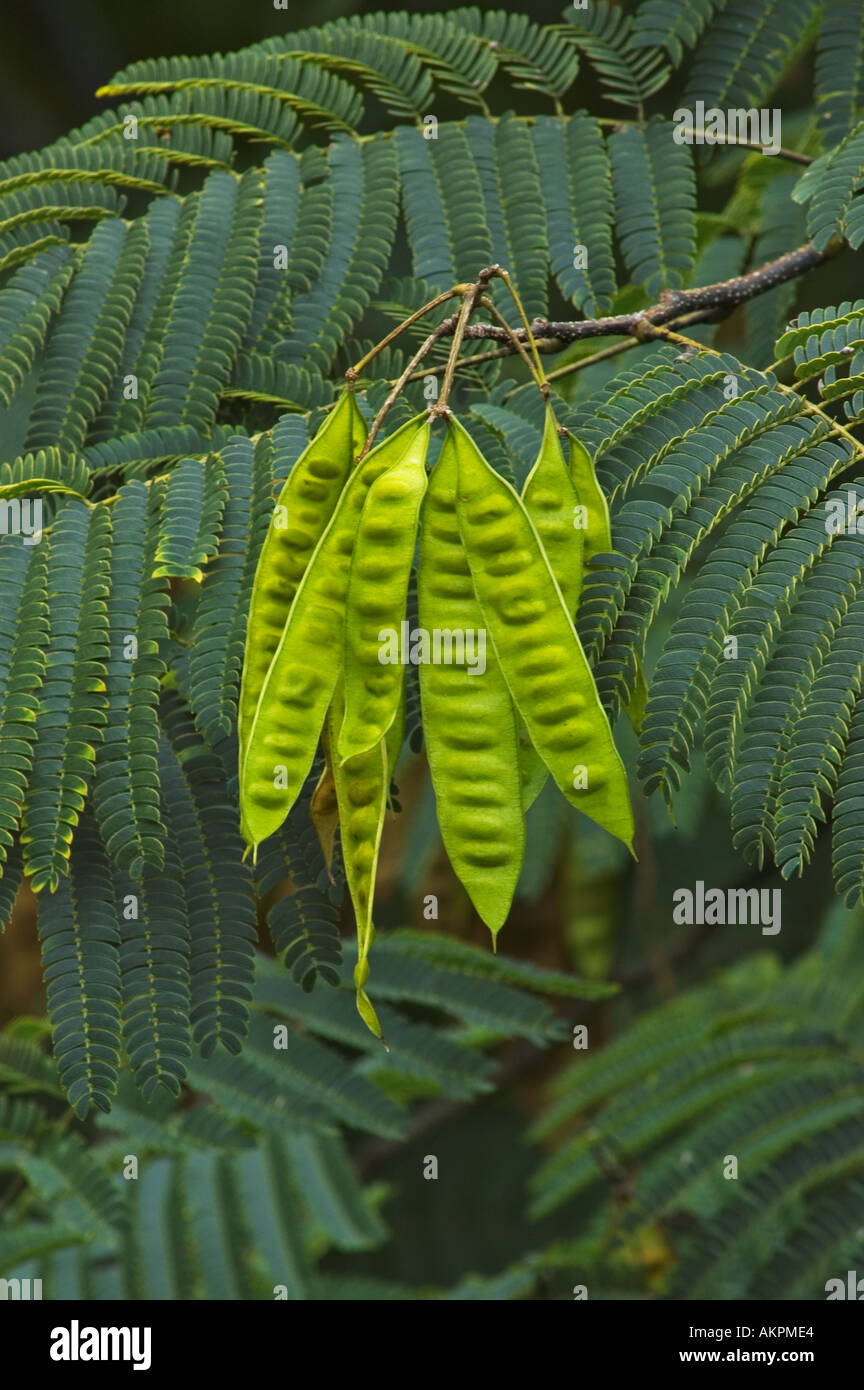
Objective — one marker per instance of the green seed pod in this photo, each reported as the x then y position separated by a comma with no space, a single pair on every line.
540,654
550,500
323,811
469,721
303,673
635,710
395,735
377,599
362,784
305,506
533,772
597,529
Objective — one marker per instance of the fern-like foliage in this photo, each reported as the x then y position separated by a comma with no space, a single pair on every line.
830,187
742,55
673,24
629,70
184,278
762,1065
246,1182
840,67
655,195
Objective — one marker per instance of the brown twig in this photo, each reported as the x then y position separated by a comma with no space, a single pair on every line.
675,308
511,337
529,335
698,305
476,358
469,302
354,372
445,326
455,324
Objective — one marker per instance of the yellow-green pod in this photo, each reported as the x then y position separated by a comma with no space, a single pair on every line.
635,711
305,506
395,736
533,772
308,660
377,599
323,811
469,722
362,785
592,514
550,500
590,510
540,654
323,808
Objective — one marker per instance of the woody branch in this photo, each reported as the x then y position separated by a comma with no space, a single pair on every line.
711,302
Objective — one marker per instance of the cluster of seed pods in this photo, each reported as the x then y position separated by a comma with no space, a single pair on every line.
333,576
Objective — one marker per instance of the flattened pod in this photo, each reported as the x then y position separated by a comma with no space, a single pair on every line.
323,811
377,599
303,673
550,500
533,772
597,527
469,722
306,504
598,541
395,736
638,700
540,654
362,784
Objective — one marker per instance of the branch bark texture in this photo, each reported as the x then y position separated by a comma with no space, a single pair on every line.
711,302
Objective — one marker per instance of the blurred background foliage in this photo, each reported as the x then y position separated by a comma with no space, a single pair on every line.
56,55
